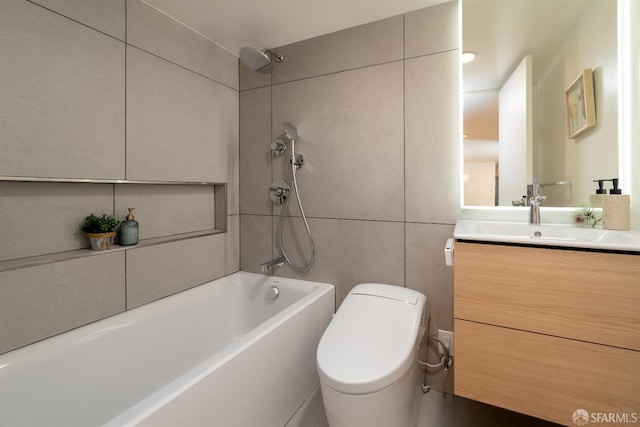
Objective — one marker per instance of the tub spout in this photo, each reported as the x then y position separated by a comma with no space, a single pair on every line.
279,261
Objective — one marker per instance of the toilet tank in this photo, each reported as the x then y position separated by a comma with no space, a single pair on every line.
372,339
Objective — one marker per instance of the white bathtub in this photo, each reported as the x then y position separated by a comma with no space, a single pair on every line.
221,354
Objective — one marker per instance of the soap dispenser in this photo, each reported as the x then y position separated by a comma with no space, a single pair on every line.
595,200
616,213
129,230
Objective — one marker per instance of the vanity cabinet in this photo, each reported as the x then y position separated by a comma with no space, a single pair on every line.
547,331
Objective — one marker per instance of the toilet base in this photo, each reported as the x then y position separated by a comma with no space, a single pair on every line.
397,405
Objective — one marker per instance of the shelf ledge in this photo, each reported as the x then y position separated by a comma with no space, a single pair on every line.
33,261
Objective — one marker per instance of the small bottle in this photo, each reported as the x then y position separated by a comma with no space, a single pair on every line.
129,230
595,200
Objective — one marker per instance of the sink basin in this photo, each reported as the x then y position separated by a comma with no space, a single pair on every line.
548,235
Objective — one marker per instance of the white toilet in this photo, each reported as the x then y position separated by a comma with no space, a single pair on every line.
367,358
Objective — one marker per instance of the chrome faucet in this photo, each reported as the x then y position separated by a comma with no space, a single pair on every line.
535,200
534,213
279,261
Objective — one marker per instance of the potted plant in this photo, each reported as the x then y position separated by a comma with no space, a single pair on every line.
101,230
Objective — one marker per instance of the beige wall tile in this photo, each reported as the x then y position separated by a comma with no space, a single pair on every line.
426,271
233,172
255,152
180,126
250,79
163,210
183,126
105,16
157,271
38,302
227,249
432,138
432,29
155,32
381,154
41,218
347,252
351,134
361,46
64,116
62,85
255,242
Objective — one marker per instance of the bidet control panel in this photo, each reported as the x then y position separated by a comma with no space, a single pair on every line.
448,252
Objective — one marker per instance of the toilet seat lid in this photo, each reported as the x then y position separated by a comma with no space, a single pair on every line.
371,340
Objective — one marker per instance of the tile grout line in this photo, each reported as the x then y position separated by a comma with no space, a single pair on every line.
126,43
404,149
271,164
78,22
402,59
126,38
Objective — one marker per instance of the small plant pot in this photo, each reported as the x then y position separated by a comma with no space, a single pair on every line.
101,241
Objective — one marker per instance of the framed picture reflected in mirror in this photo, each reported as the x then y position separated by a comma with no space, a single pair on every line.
580,103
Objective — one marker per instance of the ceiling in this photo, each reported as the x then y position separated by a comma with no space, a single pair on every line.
502,32
233,24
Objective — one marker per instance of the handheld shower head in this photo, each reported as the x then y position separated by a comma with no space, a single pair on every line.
259,60
290,131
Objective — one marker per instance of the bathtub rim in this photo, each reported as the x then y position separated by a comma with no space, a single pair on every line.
159,398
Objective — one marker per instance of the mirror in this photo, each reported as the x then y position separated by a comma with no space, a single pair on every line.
528,54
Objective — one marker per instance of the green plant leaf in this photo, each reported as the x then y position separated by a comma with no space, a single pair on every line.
99,224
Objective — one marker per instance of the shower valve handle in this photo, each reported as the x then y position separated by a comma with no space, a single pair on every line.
299,161
278,147
278,191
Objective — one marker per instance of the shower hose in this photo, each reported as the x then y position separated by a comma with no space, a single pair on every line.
308,265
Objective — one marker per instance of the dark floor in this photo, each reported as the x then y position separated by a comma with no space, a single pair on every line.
445,410
438,410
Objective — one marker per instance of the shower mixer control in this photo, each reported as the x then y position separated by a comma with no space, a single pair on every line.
279,191
278,147
299,161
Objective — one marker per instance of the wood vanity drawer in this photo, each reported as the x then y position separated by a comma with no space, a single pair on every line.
544,376
590,296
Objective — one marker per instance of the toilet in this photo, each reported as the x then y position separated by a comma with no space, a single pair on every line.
367,358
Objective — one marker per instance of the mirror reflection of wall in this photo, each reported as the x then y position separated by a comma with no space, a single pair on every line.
525,136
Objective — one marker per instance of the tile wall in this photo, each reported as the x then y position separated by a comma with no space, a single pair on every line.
116,90
109,90
377,110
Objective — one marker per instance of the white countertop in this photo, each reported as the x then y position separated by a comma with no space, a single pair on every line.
548,235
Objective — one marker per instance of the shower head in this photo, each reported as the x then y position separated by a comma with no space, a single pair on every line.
259,60
290,131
